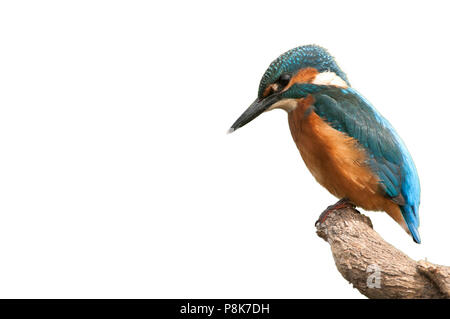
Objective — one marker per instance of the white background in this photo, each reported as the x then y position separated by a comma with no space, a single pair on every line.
117,177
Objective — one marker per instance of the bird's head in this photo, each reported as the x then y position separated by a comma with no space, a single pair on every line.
292,76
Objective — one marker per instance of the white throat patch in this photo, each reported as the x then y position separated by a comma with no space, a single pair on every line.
285,104
329,78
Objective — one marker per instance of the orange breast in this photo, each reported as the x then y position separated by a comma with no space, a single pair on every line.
337,161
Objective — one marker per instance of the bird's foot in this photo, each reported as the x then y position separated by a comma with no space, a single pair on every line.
342,203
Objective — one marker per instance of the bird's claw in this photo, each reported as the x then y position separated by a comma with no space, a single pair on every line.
342,203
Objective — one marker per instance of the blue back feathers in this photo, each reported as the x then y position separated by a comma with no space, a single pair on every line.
349,112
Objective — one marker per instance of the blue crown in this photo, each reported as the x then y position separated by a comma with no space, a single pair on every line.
301,57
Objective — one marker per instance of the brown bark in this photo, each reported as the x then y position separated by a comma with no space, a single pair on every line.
376,268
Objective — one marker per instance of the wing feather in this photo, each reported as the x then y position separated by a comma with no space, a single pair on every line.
347,111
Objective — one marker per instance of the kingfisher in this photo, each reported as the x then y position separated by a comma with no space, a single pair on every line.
346,144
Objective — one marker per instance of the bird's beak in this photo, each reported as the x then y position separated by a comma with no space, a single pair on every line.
254,110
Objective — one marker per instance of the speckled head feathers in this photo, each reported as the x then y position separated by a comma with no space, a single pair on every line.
299,58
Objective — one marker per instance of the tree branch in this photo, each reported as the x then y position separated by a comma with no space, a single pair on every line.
376,268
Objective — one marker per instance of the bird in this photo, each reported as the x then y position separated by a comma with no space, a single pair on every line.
347,145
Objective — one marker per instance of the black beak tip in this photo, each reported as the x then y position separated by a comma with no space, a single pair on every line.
253,111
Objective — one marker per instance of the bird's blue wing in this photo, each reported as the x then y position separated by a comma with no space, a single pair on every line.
347,111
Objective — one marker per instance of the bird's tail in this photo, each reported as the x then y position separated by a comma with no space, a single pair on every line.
411,220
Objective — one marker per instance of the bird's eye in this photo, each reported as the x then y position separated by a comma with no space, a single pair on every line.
284,79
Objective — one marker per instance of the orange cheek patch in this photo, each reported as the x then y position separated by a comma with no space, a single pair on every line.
270,89
306,102
306,75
